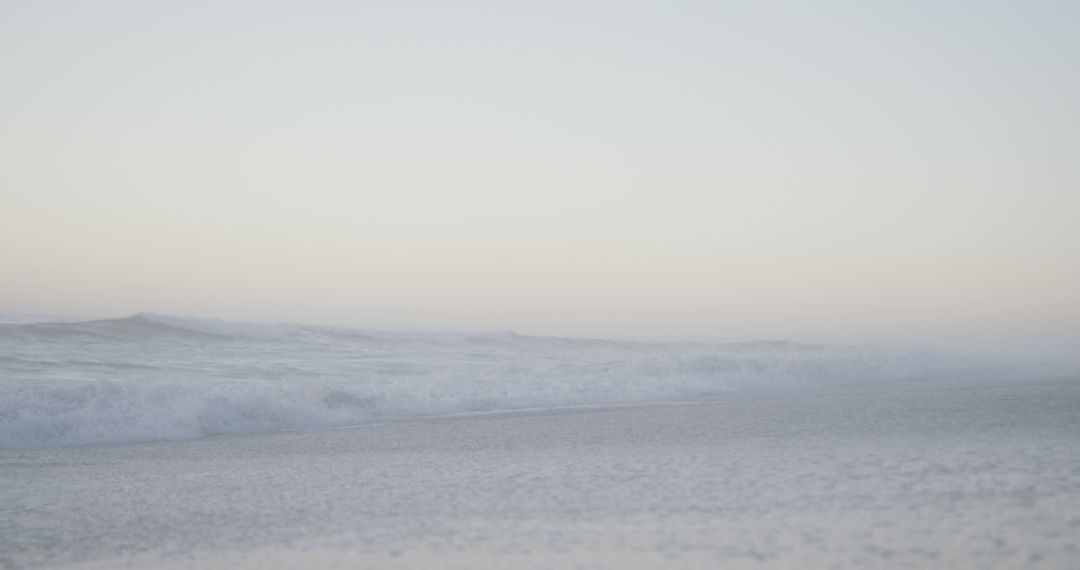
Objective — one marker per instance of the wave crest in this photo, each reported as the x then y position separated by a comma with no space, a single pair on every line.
158,377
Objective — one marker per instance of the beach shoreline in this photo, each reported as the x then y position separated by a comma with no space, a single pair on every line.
947,474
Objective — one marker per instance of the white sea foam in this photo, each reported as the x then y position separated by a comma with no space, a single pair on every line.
154,377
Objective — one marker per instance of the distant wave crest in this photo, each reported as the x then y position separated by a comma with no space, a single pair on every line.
158,377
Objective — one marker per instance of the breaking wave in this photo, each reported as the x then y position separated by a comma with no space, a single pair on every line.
155,377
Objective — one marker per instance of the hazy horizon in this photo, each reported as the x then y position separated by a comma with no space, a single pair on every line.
710,171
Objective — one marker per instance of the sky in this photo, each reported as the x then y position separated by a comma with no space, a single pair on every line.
694,170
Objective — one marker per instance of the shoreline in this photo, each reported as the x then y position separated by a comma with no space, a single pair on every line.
964,474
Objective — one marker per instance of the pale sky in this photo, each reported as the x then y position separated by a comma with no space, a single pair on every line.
707,170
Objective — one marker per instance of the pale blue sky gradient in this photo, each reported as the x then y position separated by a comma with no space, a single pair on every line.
714,170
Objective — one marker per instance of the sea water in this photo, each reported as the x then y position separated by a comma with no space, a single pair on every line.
152,377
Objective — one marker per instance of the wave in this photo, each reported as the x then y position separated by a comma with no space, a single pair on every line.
157,377
151,325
